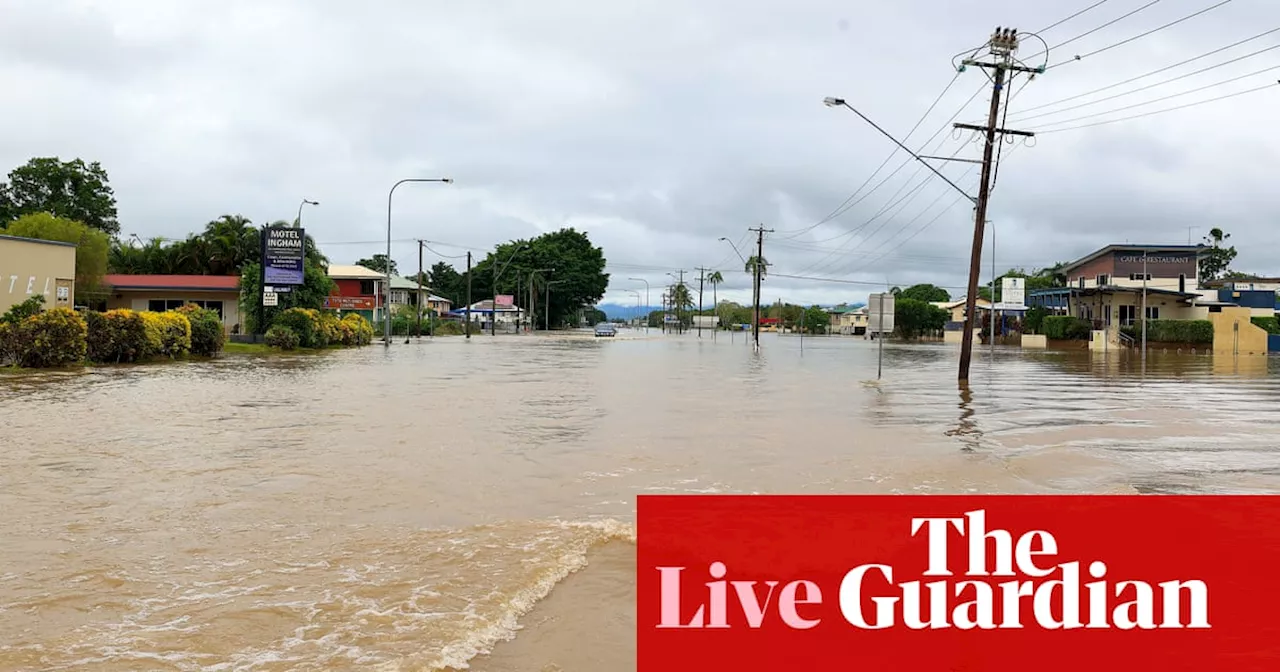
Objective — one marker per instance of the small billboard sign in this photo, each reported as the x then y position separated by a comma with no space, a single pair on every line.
504,300
1013,294
880,313
270,299
283,256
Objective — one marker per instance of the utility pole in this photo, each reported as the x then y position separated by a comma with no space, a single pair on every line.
1003,43
756,270
702,277
682,294
1144,308
468,325
418,303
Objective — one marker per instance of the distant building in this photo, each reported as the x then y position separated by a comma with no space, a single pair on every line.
404,292
483,314
30,267
356,290
160,293
848,320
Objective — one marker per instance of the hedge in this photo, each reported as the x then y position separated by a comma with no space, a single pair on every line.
1174,331
305,323
207,337
1271,324
1066,328
356,330
280,336
116,336
168,334
52,338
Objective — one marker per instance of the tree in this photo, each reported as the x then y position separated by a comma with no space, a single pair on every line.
311,294
378,263
225,246
447,282
91,246
816,320
753,261
714,280
1218,258
576,267
927,293
72,190
913,318
594,315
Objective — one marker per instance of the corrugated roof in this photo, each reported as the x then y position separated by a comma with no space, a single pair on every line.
354,273
37,240
222,283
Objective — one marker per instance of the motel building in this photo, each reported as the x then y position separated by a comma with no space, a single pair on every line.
1105,287
30,267
160,293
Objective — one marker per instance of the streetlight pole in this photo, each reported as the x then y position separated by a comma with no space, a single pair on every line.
386,307
646,300
304,202
637,293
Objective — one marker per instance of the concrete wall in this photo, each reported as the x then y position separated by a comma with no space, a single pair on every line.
1035,341
36,267
1234,333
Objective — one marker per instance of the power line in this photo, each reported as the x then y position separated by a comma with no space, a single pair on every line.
1062,21
1160,70
1164,98
1154,112
851,282
1138,37
1105,25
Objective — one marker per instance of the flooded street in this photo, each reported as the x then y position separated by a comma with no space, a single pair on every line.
414,507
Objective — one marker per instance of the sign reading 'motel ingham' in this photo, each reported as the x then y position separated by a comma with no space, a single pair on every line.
283,254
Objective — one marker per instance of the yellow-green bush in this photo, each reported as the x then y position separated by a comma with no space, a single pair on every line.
54,337
305,322
330,329
280,336
168,334
356,330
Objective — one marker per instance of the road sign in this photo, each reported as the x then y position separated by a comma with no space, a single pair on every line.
270,299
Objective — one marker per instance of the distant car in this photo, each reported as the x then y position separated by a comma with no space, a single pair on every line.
605,329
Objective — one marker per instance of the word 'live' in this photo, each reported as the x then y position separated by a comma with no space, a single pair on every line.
976,599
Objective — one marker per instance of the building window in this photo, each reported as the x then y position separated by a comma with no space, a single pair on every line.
1153,312
1127,315
1138,277
1103,279
1081,282
156,305
1182,282
1107,315
366,287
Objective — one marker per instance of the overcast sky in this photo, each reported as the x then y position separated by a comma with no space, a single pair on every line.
657,127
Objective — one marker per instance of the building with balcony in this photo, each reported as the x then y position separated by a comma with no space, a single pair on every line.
356,289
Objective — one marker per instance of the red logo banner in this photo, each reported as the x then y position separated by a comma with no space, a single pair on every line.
958,583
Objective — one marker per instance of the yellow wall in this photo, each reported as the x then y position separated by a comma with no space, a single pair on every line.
35,267
1235,334
138,300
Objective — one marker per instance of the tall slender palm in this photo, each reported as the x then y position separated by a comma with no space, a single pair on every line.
715,279
753,261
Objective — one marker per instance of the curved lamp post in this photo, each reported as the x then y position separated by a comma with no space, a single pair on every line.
386,307
646,300
304,202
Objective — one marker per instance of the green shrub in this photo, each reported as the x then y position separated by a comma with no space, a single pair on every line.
280,336
1066,328
304,322
52,338
1034,320
449,329
356,330
12,342
207,336
20,312
1174,331
1270,323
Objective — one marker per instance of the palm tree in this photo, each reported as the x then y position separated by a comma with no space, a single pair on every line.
715,279
763,263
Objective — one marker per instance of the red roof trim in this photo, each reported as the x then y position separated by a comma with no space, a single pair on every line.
225,283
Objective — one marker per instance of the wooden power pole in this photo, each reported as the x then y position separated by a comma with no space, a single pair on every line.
757,269
1003,43
702,277
468,325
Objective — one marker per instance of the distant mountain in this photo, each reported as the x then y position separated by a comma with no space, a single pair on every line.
621,311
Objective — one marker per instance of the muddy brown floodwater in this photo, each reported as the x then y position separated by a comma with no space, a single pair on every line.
450,503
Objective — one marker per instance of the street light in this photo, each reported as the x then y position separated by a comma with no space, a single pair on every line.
646,300
386,307
638,311
304,202
735,247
